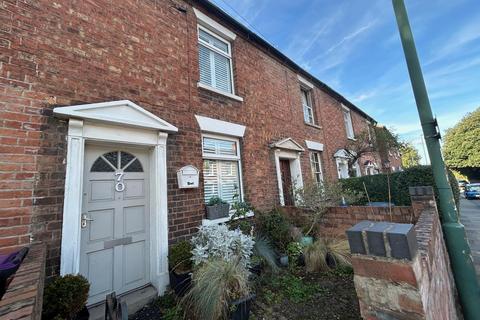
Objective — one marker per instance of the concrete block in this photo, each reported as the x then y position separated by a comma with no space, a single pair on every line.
402,240
355,237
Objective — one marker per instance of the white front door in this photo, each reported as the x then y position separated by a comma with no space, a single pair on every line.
114,252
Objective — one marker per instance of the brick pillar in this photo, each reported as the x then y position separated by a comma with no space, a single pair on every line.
383,257
423,199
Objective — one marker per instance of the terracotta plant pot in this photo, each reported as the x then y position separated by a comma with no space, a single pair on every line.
218,211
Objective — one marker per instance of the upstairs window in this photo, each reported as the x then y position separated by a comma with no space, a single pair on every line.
307,105
215,61
347,118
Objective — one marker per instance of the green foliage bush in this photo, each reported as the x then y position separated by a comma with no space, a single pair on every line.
377,185
180,256
275,227
64,297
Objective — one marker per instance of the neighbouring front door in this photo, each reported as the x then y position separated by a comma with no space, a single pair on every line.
286,182
114,252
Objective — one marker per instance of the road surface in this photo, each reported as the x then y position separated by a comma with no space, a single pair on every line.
470,217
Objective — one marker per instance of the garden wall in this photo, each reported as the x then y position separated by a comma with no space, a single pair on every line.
338,219
402,271
24,297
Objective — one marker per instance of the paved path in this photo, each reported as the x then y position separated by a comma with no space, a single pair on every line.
470,217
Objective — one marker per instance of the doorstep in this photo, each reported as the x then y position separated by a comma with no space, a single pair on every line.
135,299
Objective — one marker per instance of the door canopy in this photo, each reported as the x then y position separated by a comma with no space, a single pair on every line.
287,144
123,112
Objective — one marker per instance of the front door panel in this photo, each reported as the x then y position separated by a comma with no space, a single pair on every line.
286,182
115,238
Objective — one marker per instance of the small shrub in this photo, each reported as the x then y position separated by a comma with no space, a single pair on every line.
180,256
294,250
64,297
215,200
316,198
217,241
216,283
275,227
326,253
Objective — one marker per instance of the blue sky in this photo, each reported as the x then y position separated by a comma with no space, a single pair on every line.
354,47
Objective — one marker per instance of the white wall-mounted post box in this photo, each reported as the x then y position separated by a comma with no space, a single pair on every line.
187,177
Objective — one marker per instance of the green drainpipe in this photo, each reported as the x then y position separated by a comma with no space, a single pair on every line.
454,232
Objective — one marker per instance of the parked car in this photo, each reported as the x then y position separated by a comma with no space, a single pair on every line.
462,184
472,191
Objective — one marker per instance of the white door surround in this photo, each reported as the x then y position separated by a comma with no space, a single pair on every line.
113,123
291,150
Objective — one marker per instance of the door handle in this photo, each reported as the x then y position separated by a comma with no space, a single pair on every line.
84,221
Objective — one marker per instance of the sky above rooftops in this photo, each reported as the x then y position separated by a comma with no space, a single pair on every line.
355,48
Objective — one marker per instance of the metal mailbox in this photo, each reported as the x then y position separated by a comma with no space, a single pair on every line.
187,177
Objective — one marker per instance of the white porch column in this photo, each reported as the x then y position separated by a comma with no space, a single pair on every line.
159,216
70,255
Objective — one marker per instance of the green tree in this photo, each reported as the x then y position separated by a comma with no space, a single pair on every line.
461,147
410,156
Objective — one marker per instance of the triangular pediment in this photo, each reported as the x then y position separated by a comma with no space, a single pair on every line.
123,112
288,144
342,153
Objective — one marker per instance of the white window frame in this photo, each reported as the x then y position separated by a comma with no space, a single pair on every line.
309,97
216,50
313,167
236,158
348,126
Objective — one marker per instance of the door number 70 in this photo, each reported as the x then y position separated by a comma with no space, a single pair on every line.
119,186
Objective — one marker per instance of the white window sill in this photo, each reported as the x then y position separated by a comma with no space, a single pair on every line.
313,125
223,93
207,222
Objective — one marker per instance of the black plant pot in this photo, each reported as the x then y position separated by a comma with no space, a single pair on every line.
83,314
241,308
218,211
301,260
256,269
180,282
331,262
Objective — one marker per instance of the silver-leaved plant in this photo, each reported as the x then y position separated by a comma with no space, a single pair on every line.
217,241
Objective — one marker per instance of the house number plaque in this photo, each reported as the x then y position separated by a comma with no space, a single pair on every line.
119,186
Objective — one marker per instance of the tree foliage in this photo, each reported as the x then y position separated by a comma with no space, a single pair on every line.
461,147
410,156
380,140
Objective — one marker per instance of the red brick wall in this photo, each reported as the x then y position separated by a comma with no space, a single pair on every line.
73,52
337,220
420,288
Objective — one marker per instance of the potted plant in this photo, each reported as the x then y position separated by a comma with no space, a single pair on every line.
274,226
220,286
65,298
180,266
217,208
220,289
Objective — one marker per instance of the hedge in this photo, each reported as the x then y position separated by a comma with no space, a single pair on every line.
377,185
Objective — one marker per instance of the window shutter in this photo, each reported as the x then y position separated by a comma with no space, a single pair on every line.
222,72
204,64
210,177
229,180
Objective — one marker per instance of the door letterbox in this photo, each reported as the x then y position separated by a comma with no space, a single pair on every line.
187,177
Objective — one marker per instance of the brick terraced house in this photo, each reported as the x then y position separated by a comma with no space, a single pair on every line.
107,105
